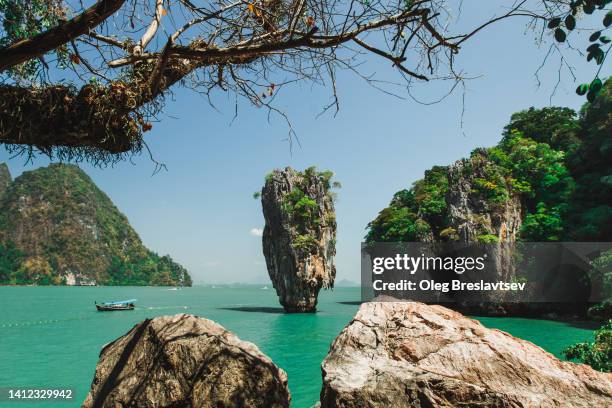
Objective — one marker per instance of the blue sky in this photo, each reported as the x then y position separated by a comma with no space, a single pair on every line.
201,210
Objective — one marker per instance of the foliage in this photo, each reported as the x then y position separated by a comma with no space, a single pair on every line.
487,239
565,22
543,225
554,126
590,213
304,208
600,275
301,205
597,354
55,221
24,19
556,161
10,261
493,188
304,242
400,222
397,224
537,168
430,192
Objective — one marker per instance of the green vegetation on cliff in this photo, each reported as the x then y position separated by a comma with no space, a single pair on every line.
58,227
557,163
301,206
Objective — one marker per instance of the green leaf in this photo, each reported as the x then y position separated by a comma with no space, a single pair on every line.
607,21
560,35
589,8
592,47
596,85
600,56
554,22
591,96
582,89
595,36
570,22
604,39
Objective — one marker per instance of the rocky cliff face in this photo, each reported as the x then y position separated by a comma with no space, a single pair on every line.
407,354
184,361
469,201
472,200
475,215
64,230
470,214
299,236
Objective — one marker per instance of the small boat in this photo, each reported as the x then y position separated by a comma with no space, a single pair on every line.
113,306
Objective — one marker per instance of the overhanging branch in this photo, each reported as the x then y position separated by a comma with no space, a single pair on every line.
53,38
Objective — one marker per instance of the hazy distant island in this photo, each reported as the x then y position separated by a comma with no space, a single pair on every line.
58,228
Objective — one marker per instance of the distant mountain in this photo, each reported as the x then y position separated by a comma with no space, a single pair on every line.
57,227
346,283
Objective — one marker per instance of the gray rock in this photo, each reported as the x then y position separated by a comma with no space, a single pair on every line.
408,354
469,214
184,361
299,253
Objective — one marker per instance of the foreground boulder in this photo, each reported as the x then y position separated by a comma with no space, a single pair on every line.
185,361
407,354
299,238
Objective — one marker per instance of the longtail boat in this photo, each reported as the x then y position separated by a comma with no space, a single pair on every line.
114,306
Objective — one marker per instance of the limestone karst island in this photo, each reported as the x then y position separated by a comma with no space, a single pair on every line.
305,204
59,228
299,237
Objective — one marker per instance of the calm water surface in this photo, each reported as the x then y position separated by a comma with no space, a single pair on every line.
51,336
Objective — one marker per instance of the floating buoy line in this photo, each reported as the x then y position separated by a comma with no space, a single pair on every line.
44,322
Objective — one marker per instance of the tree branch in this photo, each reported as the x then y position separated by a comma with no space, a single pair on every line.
53,38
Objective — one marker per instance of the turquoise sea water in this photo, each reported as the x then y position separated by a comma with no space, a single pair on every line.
51,336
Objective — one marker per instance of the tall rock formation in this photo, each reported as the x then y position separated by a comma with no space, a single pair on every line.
58,227
408,354
185,361
299,238
472,216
